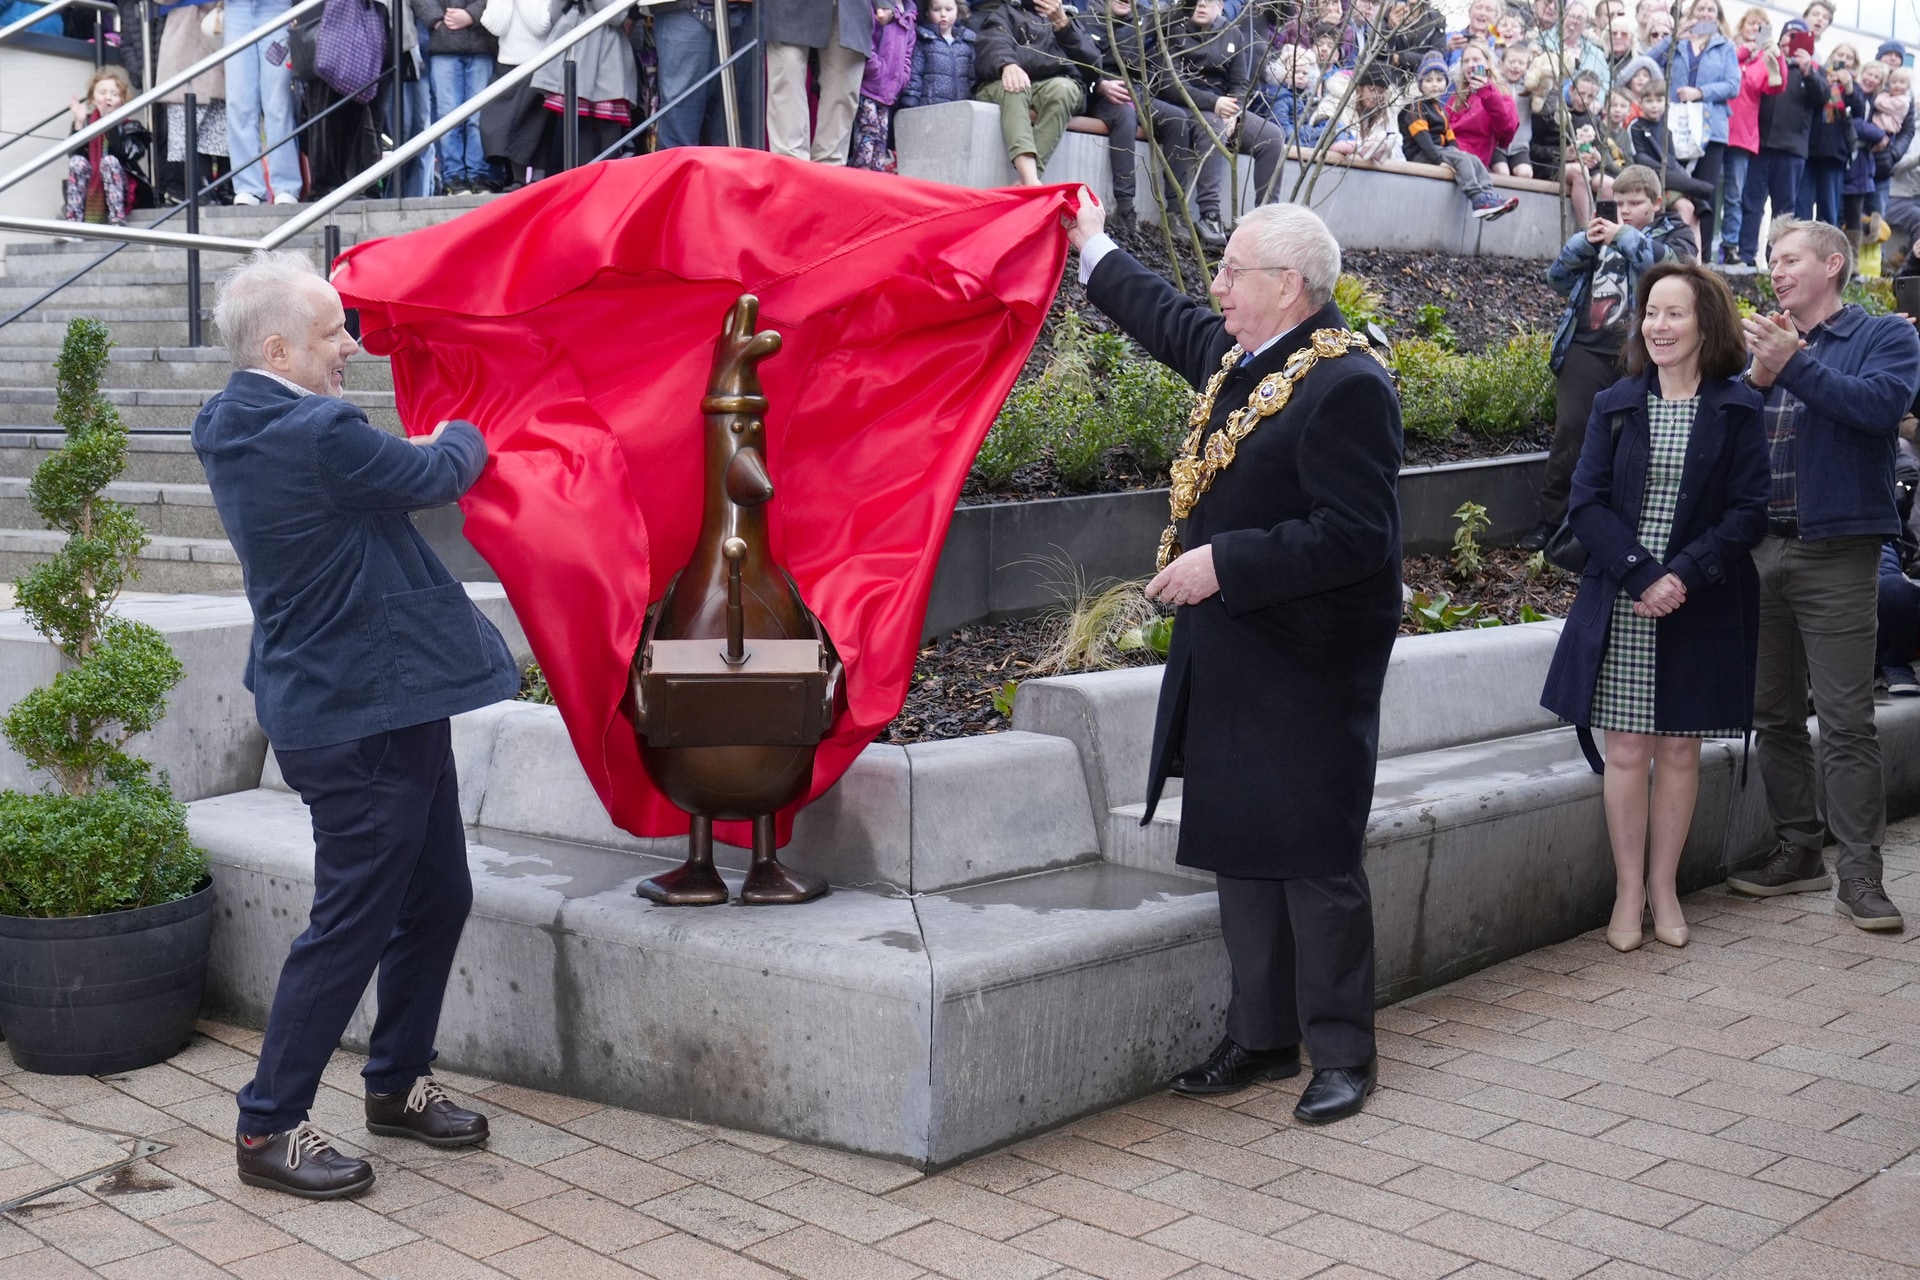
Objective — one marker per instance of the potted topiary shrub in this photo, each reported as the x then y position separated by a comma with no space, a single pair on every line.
104,900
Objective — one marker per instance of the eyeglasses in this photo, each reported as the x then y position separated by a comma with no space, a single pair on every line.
1229,272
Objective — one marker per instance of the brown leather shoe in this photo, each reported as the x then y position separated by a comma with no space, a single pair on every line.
301,1162
426,1114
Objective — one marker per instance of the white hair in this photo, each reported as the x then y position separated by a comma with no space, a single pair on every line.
1293,236
261,297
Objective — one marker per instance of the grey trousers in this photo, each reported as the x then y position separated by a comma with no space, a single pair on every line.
1818,623
1254,136
1469,174
841,71
1302,956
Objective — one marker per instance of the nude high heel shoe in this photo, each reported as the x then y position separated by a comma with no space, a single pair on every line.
1673,935
1627,939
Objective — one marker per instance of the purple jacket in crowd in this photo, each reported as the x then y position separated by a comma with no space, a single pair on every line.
891,61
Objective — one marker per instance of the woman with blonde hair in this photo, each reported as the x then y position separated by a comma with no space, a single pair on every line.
1762,72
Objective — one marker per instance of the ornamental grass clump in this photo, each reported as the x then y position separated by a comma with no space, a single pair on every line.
111,837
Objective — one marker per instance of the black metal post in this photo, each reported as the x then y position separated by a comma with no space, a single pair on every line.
331,239
99,41
192,141
570,110
397,110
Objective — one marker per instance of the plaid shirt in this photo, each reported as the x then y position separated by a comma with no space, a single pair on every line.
1784,415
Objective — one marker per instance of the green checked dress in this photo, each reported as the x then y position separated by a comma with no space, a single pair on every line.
1623,697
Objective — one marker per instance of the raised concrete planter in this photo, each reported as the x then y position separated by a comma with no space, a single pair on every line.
1010,559
1403,207
208,743
894,1023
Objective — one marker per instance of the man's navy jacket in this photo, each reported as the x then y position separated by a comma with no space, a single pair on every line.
358,628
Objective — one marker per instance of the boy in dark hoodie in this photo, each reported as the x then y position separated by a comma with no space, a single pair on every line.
1429,140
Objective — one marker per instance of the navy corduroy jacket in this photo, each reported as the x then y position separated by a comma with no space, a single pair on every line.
358,628
1856,392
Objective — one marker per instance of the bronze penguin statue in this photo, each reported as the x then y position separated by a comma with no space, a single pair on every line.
735,680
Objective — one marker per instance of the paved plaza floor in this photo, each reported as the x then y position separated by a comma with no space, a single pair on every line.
1747,1107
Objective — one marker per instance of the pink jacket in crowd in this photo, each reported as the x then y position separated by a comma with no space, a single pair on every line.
1743,119
1483,121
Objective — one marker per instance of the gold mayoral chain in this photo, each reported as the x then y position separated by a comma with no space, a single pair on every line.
1194,470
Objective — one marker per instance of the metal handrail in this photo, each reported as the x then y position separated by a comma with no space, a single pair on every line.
726,86
191,202
48,10
32,129
62,149
506,84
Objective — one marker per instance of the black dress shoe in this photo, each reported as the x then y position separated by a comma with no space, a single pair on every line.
1336,1093
426,1114
1536,538
1230,1068
300,1162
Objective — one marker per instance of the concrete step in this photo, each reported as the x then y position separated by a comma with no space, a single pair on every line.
31,330
168,510
167,564
46,263
152,457
140,410
91,295
166,368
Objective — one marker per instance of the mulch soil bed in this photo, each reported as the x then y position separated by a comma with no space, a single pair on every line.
955,679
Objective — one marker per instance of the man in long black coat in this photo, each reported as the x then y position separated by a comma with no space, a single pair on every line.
1288,600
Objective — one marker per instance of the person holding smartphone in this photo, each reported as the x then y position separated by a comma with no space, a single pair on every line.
1786,121
1482,116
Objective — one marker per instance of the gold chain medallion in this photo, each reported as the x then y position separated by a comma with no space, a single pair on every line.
1194,470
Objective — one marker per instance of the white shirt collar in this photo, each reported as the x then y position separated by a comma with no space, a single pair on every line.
294,387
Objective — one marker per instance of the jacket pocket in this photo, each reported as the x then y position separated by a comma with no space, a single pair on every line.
434,639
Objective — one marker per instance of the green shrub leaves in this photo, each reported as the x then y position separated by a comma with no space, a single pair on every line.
113,838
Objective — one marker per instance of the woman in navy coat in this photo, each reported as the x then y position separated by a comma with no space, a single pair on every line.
1669,498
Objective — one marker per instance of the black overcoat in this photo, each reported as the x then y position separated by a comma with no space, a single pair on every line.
1270,705
1704,651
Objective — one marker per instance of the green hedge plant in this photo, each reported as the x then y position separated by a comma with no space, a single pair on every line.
111,837
1494,394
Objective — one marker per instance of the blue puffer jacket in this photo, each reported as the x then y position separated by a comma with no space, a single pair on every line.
1856,391
942,72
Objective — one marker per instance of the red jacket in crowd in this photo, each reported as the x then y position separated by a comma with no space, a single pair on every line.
1482,121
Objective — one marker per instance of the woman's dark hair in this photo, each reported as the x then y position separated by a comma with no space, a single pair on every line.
1723,349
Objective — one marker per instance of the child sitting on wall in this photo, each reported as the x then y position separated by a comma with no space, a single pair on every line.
1289,89
1427,137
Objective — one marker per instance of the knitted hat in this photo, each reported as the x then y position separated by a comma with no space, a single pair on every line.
1891,46
1791,25
1378,73
1431,63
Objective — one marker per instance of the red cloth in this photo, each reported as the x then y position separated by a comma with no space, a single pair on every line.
575,321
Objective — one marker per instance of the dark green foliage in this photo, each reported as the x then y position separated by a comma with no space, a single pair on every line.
1430,393
1495,394
114,838
109,850
533,686
1438,612
1097,395
1508,389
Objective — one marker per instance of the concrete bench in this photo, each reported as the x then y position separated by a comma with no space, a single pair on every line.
1393,206
1487,836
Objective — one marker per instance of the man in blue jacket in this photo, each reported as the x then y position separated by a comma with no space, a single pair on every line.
363,646
1837,382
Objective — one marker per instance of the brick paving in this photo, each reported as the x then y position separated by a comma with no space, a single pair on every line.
1747,1108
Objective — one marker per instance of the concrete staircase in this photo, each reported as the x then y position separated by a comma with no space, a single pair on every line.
155,379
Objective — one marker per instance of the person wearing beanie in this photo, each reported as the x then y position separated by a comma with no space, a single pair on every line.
1893,53
1429,139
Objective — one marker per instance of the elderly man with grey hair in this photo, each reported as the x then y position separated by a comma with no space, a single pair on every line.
1283,565
363,647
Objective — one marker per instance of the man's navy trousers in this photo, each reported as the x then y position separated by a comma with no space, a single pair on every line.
391,892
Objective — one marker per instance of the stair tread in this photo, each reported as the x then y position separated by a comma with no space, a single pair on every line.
203,550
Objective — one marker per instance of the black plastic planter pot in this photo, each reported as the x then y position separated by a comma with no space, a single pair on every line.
87,995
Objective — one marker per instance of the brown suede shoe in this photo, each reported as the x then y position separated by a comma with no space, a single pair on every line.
426,1114
301,1162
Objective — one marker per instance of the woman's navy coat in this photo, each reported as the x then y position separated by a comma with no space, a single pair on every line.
1704,654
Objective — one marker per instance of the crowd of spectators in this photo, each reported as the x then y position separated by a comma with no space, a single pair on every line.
1733,117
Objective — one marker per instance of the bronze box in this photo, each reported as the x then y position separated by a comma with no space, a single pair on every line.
776,698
